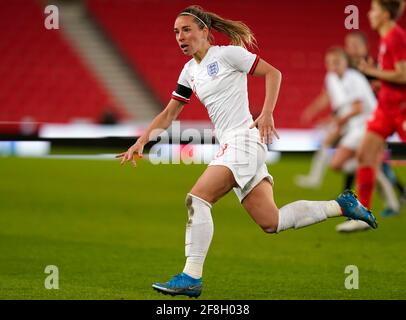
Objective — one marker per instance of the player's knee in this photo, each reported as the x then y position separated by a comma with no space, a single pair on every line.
361,157
192,200
270,227
203,194
366,158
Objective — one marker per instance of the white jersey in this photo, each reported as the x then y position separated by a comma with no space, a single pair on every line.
219,81
344,91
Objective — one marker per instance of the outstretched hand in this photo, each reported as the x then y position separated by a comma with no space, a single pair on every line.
266,127
135,151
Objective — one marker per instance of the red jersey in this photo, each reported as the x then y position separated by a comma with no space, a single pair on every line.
392,50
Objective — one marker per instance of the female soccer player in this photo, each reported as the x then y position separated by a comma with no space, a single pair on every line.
357,50
218,77
390,114
353,102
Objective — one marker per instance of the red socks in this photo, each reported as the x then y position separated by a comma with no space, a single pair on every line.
365,185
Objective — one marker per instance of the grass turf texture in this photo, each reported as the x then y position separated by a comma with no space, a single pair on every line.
113,230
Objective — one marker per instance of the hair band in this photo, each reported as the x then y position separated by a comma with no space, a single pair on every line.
191,14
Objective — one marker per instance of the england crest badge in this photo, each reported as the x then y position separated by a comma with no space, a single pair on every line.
212,69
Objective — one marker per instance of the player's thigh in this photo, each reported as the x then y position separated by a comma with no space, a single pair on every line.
341,156
260,205
214,183
370,151
401,126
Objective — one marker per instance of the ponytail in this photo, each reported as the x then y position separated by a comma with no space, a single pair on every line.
238,32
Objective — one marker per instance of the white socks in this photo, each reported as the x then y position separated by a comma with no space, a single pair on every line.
319,164
199,232
199,228
388,192
302,213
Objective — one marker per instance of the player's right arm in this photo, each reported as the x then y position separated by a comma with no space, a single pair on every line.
160,123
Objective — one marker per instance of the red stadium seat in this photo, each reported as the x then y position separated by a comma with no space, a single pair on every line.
40,74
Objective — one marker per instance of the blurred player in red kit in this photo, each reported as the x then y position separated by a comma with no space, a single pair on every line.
390,114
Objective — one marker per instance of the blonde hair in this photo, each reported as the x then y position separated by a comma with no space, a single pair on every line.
238,32
338,51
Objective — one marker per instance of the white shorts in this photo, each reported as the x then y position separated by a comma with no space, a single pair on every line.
245,156
352,138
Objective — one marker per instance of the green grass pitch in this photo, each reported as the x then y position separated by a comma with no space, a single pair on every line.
113,230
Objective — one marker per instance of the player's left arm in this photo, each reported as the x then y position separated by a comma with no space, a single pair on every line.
398,75
273,78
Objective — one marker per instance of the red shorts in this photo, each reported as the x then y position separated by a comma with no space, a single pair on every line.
386,123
